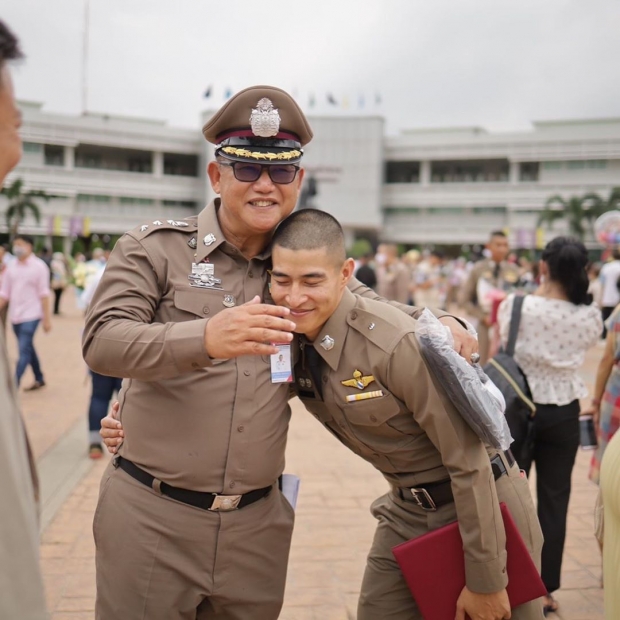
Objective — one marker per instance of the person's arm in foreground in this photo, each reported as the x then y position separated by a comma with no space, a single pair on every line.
603,371
21,585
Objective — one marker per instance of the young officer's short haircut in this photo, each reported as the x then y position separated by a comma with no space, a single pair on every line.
311,229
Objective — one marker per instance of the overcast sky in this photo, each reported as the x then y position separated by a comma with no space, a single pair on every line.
495,63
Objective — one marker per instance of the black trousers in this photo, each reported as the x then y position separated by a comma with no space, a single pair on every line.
606,313
556,439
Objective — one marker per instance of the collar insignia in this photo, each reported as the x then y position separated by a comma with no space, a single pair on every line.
328,343
359,381
265,119
209,239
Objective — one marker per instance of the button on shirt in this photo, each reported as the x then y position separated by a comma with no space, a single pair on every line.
24,284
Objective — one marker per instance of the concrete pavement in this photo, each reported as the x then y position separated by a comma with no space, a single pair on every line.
333,529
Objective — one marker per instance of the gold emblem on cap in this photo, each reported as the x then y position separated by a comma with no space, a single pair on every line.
359,381
265,119
231,150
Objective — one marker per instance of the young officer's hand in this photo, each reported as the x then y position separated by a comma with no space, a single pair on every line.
112,430
495,606
464,343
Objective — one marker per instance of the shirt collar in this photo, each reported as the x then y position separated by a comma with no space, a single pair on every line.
211,237
336,328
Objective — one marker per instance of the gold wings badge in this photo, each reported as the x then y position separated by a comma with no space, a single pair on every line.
359,381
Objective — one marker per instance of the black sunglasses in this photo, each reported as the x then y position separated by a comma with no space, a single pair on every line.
248,172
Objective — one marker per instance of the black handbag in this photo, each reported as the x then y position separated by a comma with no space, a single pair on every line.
504,371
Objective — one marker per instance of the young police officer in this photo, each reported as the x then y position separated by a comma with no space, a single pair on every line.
190,523
360,372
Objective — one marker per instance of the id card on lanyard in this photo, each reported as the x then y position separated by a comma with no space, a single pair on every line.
281,369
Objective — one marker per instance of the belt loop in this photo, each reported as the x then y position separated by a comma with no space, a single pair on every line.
157,486
116,461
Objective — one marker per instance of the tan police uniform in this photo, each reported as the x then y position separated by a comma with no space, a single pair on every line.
503,276
190,522
21,585
417,439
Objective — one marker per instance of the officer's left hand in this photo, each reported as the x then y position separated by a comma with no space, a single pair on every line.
112,430
464,343
495,606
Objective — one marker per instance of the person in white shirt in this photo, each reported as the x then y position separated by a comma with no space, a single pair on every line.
558,325
610,297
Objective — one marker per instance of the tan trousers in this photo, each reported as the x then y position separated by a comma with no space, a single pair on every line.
384,593
159,559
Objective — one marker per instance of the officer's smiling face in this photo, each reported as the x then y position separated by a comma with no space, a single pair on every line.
252,208
310,283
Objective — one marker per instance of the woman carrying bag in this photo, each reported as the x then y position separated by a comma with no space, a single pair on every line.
558,325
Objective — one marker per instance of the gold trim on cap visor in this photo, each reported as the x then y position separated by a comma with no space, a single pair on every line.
231,150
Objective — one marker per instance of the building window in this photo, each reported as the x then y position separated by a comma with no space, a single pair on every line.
177,164
130,200
402,172
31,147
597,164
470,171
109,158
404,211
445,210
488,210
93,198
528,171
552,165
179,203
54,155
576,165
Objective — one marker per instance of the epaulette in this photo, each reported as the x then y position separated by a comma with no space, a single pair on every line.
379,330
187,225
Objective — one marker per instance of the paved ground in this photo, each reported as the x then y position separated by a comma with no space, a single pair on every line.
333,529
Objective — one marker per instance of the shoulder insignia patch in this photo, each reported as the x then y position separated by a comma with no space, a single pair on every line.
378,330
189,225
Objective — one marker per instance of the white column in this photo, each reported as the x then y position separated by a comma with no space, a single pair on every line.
513,174
69,157
158,163
425,172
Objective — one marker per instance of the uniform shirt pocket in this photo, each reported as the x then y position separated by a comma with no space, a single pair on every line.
201,303
372,412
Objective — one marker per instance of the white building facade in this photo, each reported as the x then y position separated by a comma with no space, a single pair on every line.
109,174
452,187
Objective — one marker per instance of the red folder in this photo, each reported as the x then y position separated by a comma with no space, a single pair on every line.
434,568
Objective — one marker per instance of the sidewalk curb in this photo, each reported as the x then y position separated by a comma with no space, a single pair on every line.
61,469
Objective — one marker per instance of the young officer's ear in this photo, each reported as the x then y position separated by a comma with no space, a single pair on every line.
348,267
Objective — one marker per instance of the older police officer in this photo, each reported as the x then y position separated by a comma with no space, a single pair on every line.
190,522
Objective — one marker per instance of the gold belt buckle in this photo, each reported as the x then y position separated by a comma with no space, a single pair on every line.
224,503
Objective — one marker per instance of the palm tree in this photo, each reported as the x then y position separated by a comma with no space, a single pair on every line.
20,202
580,212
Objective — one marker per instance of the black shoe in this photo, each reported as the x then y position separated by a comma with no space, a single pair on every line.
35,386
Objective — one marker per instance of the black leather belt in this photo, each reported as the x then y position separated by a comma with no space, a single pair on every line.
436,494
206,501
